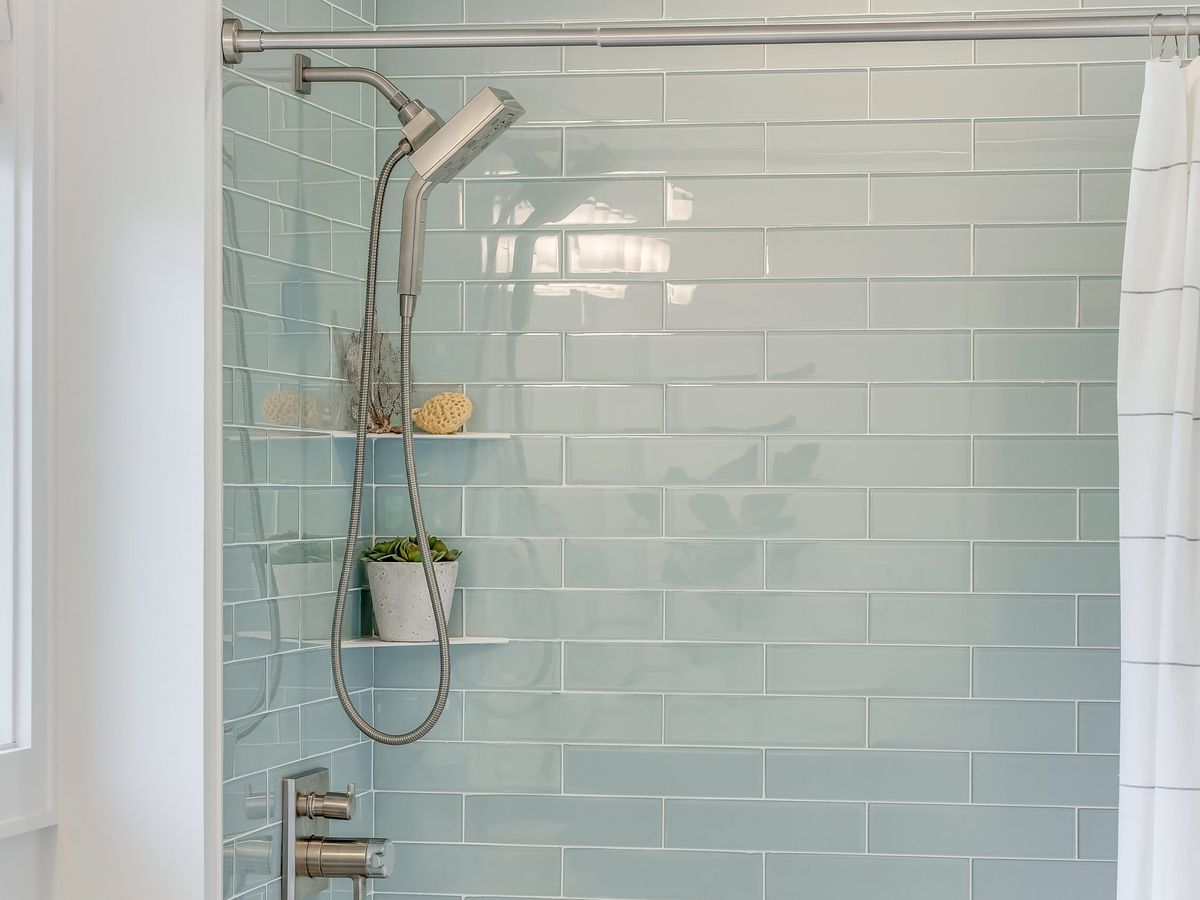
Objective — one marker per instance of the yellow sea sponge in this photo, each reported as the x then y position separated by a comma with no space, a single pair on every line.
444,414
289,408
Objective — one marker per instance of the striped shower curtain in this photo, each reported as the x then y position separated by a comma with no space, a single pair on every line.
1158,405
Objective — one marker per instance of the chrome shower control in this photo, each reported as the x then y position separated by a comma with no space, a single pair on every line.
326,857
310,856
329,805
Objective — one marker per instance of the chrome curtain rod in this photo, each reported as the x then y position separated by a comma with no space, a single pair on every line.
237,40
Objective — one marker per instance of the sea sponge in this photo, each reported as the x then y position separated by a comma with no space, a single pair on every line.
289,408
444,414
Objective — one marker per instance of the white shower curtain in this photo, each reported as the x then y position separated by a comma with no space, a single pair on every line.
1158,402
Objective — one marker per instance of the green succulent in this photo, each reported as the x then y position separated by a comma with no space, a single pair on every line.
408,549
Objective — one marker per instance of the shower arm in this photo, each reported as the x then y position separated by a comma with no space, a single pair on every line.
417,120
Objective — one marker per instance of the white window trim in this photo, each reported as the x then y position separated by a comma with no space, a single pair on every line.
26,768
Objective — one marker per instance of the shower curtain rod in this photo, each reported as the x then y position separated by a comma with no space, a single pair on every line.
237,40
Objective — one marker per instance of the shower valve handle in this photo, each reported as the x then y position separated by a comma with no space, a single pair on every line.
330,805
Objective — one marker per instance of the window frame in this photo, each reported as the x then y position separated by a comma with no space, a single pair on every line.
26,763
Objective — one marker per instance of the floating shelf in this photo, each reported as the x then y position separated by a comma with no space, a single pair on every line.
455,641
421,435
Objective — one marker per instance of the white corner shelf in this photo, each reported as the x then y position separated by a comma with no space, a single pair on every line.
454,641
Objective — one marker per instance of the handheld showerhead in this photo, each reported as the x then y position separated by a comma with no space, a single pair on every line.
466,135
441,156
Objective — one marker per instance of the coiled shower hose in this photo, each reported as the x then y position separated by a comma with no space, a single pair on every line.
407,303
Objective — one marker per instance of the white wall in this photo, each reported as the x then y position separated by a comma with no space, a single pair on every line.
135,419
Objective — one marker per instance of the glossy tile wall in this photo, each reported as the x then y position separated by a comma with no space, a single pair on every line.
804,538
297,181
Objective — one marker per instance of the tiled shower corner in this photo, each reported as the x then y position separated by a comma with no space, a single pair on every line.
805,536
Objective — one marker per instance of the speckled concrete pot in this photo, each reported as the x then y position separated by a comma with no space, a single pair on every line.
403,611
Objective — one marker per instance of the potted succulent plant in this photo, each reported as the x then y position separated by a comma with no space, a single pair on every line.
399,593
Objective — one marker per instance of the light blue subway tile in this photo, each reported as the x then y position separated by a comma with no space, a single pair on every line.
869,461
563,306
302,678
855,877
442,508
243,104
238,813
674,150
261,742
509,563
869,356
766,512
868,565
767,305
866,251
470,767
1049,568
765,616
1103,196
823,200
773,408
1098,727
417,12
1099,302
652,564
1031,879
1098,408
521,665
294,459
869,146
523,12
564,512
974,198
1044,780
766,96
577,821
419,817
976,514
1098,834
977,91
975,830
244,688
519,460
451,255
843,55
1063,143
1046,461
529,152
1059,49
973,302
595,718
1111,89
488,357
400,710
567,202
657,358
1045,355
973,408
1056,674
247,227
324,512
1099,621
903,724
765,721
558,409
324,726
565,614
662,59
279,519
679,254
662,771
467,868
661,874
1098,515
871,671
670,667
710,9
665,460
765,825
977,619
416,61
301,127
301,238
868,775
1085,249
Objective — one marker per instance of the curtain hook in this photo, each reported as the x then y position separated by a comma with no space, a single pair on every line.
1150,34
1187,31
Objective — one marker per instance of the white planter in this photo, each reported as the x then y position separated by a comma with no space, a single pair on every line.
400,596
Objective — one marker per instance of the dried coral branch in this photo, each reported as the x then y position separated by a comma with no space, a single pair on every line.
384,400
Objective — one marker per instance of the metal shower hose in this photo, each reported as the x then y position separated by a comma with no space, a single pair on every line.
364,390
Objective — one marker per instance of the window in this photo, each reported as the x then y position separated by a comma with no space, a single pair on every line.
24,746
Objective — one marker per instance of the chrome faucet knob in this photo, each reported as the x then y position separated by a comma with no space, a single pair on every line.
331,805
